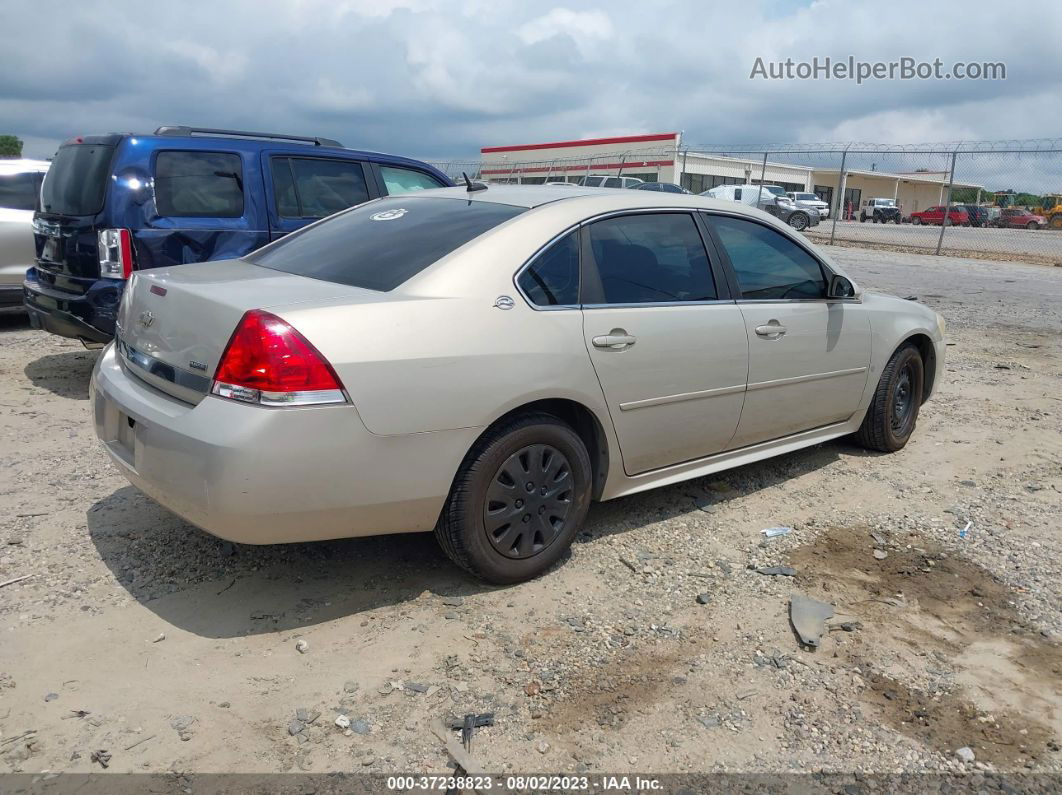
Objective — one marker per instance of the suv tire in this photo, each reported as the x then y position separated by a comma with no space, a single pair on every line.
799,221
518,500
893,411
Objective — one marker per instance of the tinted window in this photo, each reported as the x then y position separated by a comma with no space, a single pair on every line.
207,184
553,276
404,180
327,186
613,182
380,245
18,191
644,259
767,263
77,180
287,201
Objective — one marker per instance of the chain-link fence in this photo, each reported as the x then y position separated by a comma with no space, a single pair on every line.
994,200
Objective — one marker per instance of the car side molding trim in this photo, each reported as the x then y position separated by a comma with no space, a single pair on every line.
631,405
800,379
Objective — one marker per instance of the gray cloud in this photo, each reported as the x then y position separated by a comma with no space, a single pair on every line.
436,79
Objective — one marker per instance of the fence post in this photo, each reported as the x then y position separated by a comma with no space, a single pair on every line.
681,175
549,172
947,202
623,159
840,195
763,172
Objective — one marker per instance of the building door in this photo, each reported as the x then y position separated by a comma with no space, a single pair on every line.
852,197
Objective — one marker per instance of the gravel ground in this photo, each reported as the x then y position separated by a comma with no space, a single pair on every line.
656,646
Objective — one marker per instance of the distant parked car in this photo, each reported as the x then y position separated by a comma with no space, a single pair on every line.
1017,218
771,199
605,181
112,205
978,215
880,211
20,185
663,187
936,215
809,201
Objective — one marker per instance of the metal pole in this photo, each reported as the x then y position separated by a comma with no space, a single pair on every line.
763,172
947,204
840,195
549,172
623,159
684,153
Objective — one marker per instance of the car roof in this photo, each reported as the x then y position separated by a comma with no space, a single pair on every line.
23,164
588,199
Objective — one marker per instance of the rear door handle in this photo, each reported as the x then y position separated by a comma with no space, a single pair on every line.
771,330
617,339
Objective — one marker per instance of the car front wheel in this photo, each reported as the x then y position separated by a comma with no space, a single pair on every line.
916,221
1032,225
798,221
893,411
518,500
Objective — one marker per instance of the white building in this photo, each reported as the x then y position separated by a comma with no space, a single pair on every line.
661,157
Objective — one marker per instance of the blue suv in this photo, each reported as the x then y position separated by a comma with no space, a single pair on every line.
114,204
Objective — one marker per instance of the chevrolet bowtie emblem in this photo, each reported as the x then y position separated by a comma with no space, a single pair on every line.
146,319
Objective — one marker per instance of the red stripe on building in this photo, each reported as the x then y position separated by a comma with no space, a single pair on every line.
593,168
627,139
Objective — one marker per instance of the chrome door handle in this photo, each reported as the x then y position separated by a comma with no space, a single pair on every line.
617,339
773,329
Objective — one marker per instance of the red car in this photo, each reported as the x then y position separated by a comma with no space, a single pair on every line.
935,215
1017,218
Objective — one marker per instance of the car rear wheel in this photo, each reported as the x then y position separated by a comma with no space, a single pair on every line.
862,218
799,221
897,219
916,221
893,411
518,500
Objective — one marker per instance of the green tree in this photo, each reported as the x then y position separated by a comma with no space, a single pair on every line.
10,146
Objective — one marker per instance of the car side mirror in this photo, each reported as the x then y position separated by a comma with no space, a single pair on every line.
841,287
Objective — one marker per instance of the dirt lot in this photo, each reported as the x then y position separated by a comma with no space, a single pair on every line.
174,651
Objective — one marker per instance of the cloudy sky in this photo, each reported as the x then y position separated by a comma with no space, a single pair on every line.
440,79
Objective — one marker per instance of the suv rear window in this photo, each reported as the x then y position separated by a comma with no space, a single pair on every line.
77,180
199,184
379,245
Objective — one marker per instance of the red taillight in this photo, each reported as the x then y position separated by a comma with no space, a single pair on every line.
116,253
269,362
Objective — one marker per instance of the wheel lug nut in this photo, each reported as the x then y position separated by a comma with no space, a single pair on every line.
527,518
519,503
542,509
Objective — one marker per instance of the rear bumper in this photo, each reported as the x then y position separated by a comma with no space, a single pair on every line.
89,317
10,295
256,475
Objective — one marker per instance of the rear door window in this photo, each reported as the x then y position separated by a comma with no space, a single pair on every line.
314,187
403,180
380,245
77,180
18,191
651,258
199,184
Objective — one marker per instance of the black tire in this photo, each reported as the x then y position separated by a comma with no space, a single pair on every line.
947,222
528,443
898,219
1032,225
799,221
893,411
916,221
862,218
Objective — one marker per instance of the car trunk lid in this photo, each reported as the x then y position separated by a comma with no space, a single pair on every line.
175,323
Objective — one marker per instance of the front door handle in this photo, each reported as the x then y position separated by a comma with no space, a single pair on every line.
616,340
773,330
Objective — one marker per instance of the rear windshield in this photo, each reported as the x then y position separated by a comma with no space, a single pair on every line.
77,180
382,244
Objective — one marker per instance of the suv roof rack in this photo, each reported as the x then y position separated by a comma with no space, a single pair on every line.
179,130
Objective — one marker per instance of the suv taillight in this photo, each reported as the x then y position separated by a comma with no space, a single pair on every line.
270,363
116,253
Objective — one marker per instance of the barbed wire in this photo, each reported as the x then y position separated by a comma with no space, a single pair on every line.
756,152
